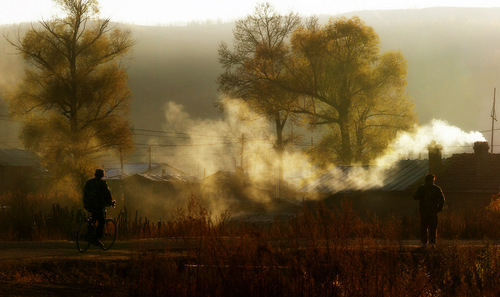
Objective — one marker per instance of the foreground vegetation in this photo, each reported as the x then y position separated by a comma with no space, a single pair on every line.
253,269
41,217
316,251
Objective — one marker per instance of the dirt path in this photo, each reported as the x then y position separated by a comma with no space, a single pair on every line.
25,250
33,268
56,268
15,251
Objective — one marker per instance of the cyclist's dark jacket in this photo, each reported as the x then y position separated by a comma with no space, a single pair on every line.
96,194
431,198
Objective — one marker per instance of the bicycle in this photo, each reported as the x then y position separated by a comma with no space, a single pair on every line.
86,232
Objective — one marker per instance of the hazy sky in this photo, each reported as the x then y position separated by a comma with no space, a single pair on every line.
155,12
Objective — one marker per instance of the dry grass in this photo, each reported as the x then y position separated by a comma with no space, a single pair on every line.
315,252
246,266
40,217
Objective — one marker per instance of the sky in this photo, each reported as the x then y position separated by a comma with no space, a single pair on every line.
166,12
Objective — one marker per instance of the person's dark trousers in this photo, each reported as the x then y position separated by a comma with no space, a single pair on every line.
428,223
98,215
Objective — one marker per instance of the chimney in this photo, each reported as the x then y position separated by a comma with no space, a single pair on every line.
435,158
481,157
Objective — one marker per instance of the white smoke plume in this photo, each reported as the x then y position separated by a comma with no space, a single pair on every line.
244,138
412,145
213,145
407,145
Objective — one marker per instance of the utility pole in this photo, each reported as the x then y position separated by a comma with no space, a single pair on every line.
242,148
121,162
278,184
149,158
493,119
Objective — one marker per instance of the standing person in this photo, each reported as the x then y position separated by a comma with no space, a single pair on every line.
431,203
96,197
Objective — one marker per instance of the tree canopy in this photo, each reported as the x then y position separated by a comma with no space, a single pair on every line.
333,75
74,97
357,93
250,68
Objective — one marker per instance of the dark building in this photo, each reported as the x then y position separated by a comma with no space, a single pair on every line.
19,170
154,190
469,181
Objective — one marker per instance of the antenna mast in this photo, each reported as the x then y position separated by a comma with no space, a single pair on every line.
493,119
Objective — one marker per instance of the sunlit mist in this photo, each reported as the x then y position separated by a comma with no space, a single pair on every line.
243,139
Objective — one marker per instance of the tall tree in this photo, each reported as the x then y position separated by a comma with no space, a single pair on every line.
357,92
74,97
256,62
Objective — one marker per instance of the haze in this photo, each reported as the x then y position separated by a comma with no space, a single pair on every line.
452,71
155,12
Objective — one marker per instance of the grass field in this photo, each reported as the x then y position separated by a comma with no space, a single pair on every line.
315,252
248,267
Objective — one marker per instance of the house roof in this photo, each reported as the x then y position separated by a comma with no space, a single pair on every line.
398,177
17,157
461,173
113,171
173,178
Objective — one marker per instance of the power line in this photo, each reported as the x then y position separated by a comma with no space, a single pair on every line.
9,146
484,131
186,134
184,145
7,118
162,136
177,155
178,133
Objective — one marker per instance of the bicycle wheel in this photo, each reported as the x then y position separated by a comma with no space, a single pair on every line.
82,236
109,235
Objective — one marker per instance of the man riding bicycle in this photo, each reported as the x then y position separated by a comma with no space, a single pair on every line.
96,197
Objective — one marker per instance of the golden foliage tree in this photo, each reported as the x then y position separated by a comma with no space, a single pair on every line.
255,63
74,97
357,92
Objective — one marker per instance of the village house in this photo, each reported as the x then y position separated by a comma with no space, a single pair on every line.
150,188
20,170
468,180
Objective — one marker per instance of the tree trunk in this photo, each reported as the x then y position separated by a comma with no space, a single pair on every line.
358,154
345,156
279,148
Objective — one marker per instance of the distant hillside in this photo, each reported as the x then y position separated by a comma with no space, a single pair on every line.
453,61
177,64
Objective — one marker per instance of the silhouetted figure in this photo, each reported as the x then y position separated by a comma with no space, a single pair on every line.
96,197
431,203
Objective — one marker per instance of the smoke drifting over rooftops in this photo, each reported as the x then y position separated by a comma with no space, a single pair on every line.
214,145
245,139
412,145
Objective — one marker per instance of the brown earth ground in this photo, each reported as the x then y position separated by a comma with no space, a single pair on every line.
57,268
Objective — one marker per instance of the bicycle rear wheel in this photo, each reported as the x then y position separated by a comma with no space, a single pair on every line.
109,235
82,236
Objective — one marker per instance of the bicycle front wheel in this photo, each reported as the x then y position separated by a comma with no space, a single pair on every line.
109,235
82,236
